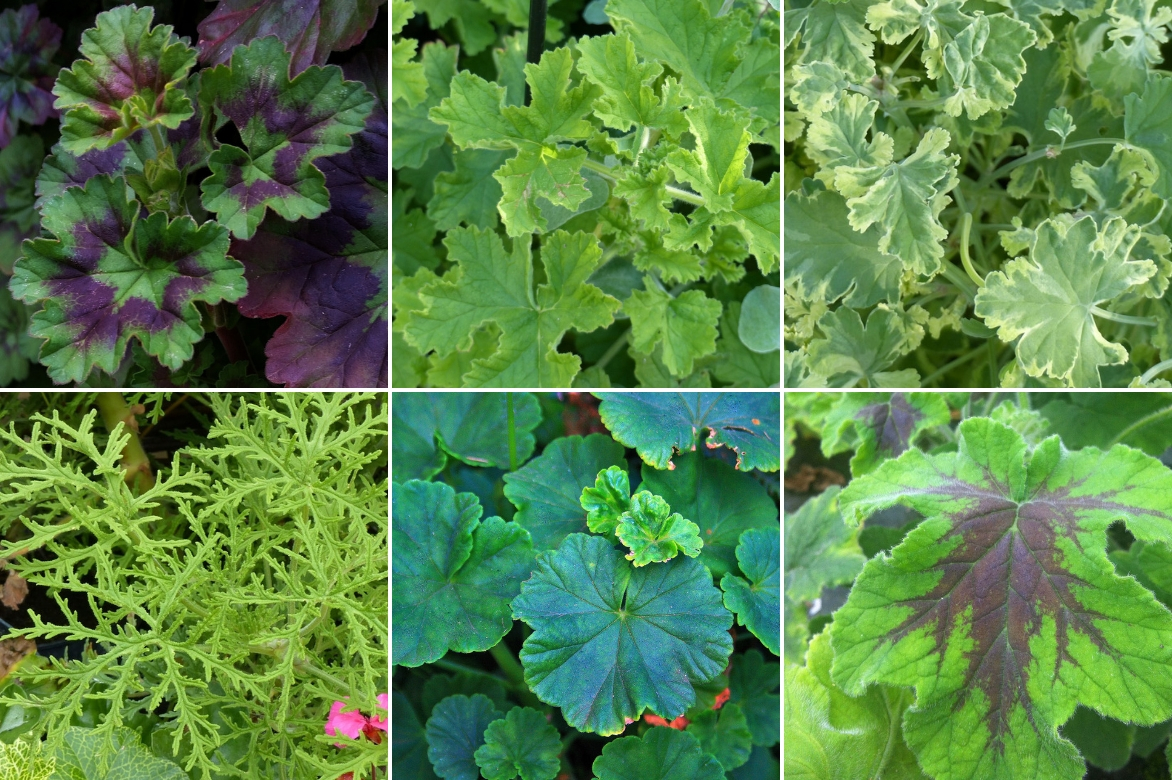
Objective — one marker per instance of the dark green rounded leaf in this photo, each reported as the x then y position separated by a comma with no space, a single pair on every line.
757,602
610,641
440,686
725,734
408,743
522,744
753,684
661,754
455,731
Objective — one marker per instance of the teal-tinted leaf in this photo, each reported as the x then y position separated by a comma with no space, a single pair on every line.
455,731
610,641
752,685
408,743
87,754
653,533
661,754
453,575
1007,580
725,734
607,501
819,548
472,427
440,686
659,424
757,601
523,745
547,490
884,426
761,764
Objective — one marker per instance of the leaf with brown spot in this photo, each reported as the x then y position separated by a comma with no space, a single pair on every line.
15,589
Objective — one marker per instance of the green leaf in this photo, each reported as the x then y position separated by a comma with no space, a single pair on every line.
737,364
661,754
610,641
546,491
717,166
752,685
884,425
685,326
658,424
87,754
455,731
492,285
653,534
1146,122
852,353
760,321
408,82
755,212
837,138
523,744
440,686
757,600
1103,742
820,550
1007,580
835,32
607,501
985,63
454,575
724,734
23,760
721,501
408,743
130,78
1047,300
628,97
1140,420
413,135
470,193
471,427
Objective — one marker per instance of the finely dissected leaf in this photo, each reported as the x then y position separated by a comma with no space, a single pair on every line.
19,163
610,641
851,353
1001,607
757,601
455,731
753,684
310,31
660,754
454,575
129,78
685,327
112,275
285,124
607,501
660,424
88,754
522,744
721,501
493,285
628,98
1048,299
653,533
27,46
724,734
472,427
883,425
546,491
820,550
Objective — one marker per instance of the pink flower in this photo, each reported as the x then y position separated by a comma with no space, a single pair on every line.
354,723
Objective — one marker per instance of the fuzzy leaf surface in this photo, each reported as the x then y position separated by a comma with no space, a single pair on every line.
820,550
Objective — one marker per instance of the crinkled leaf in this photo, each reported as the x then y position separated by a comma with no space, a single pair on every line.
819,548
756,600
27,46
470,193
724,734
87,754
1048,299
660,754
717,165
455,731
685,326
835,32
309,30
610,641
721,501
852,353
548,489
471,427
607,501
111,275
1001,607
285,125
752,685
492,285
653,533
522,744
879,426
415,136
129,79
756,213
409,81
453,575
660,424
985,63
628,97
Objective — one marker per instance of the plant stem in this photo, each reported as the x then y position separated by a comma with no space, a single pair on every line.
508,663
614,349
512,433
960,361
675,192
160,142
229,338
966,226
1155,371
1135,426
1126,319
960,280
113,408
903,55
1047,152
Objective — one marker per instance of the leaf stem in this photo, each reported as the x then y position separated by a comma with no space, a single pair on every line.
1135,426
1155,371
614,349
114,410
960,361
903,55
512,432
1126,319
514,673
1047,152
966,226
959,279
677,193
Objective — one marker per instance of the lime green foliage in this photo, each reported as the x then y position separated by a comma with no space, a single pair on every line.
878,426
23,760
661,754
522,744
653,533
607,501
820,550
408,81
757,601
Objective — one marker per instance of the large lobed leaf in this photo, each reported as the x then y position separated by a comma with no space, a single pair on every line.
27,46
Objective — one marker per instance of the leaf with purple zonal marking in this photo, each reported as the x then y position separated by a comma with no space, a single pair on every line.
310,30
328,276
130,78
1001,608
879,426
112,275
27,46
286,125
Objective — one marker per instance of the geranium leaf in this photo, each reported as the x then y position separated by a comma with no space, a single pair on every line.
660,754
653,533
819,548
760,321
547,489
628,97
1007,612
410,83
879,426
27,46
19,163
852,353
752,685
985,63
724,734
717,166
756,213
111,275
1048,299
835,32
408,743
757,600
17,347
309,30
660,424
684,326
607,501
470,193
638,639
721,501
415,136
492,285
739,365
522,744
130,78
454,575
471,427
87,754
285,125
455,731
